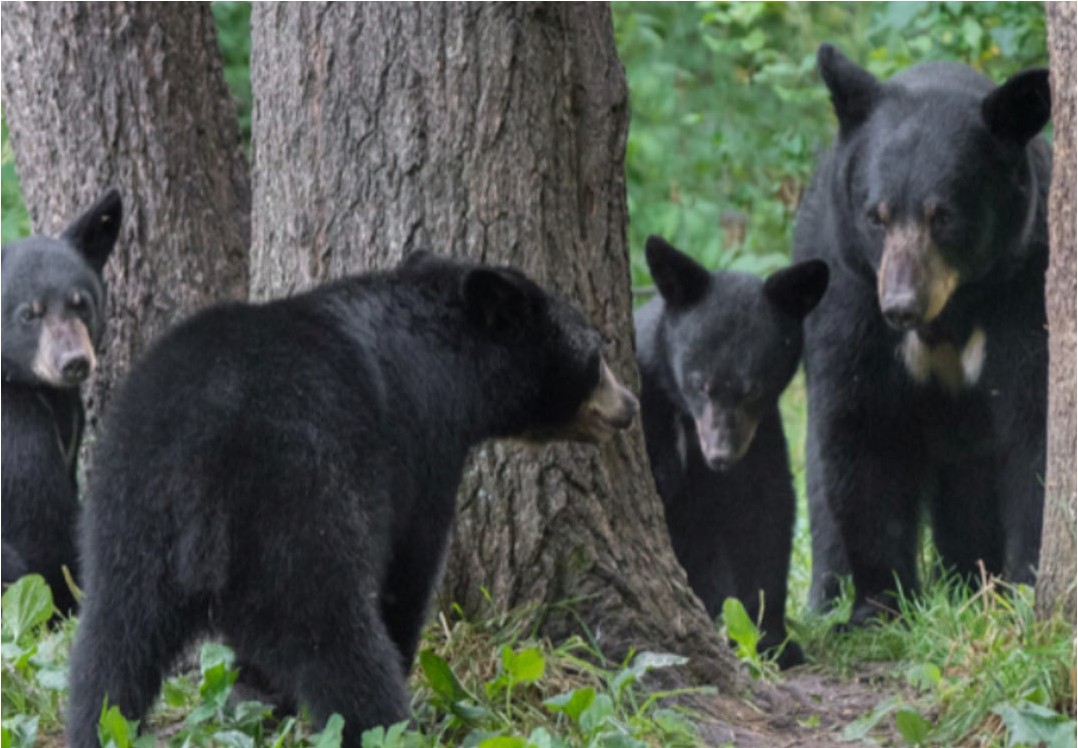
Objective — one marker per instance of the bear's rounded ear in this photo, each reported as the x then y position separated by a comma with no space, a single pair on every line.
93,234
1020,108
498,301
797,290
853,89
681,280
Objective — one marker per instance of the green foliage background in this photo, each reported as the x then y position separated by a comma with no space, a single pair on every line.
729,115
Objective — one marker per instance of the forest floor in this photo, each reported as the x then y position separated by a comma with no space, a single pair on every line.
807,709
955,670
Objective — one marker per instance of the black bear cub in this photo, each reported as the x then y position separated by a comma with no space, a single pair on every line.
53,319
927,362
715,352
284,474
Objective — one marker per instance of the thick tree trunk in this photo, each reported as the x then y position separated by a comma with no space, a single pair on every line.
1056,576
132,95
495,132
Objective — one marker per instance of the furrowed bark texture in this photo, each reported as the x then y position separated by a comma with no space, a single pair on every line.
495,132
132,95
1056,576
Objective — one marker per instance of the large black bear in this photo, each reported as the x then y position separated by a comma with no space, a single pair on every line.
715,352
926,363
53,319
285,474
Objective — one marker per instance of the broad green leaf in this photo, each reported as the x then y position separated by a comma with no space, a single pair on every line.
972,33
215,653
332,733
52,678
440,676
218,677
672,722
25,605
1033,724
601,709
912,726
113,728
924,676
739,626
572,703
540,738
20,731
526,666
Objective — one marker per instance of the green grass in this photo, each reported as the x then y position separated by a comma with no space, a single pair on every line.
960,658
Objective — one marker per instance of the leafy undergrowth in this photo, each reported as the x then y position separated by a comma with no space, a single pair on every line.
476,684
957,669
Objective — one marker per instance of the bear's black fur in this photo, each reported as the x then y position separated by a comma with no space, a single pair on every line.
715,352
53,319
926,362
284,474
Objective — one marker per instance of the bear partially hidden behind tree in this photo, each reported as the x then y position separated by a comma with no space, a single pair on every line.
716,350
53,320
926,362
285,474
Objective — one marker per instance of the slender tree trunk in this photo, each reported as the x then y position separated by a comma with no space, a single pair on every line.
1056,577
495,132
132,95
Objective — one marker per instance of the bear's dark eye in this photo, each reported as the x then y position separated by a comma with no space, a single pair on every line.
877,216
78,303
31,312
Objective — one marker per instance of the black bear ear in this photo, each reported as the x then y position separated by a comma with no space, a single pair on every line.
681,280
797,290
94,233
1020,108
853,89
498,301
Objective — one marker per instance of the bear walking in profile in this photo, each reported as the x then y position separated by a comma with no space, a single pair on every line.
53,320
284,474
715,352
927,361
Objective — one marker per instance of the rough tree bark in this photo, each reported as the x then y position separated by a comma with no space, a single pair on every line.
1056,576
132,95
495,132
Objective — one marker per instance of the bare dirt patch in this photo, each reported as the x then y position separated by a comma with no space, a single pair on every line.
805,710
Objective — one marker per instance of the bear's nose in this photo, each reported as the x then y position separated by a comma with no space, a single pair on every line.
902,311
75,369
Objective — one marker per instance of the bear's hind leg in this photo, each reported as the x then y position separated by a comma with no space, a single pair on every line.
122,650
336,658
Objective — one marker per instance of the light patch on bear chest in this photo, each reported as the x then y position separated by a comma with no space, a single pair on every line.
954,369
